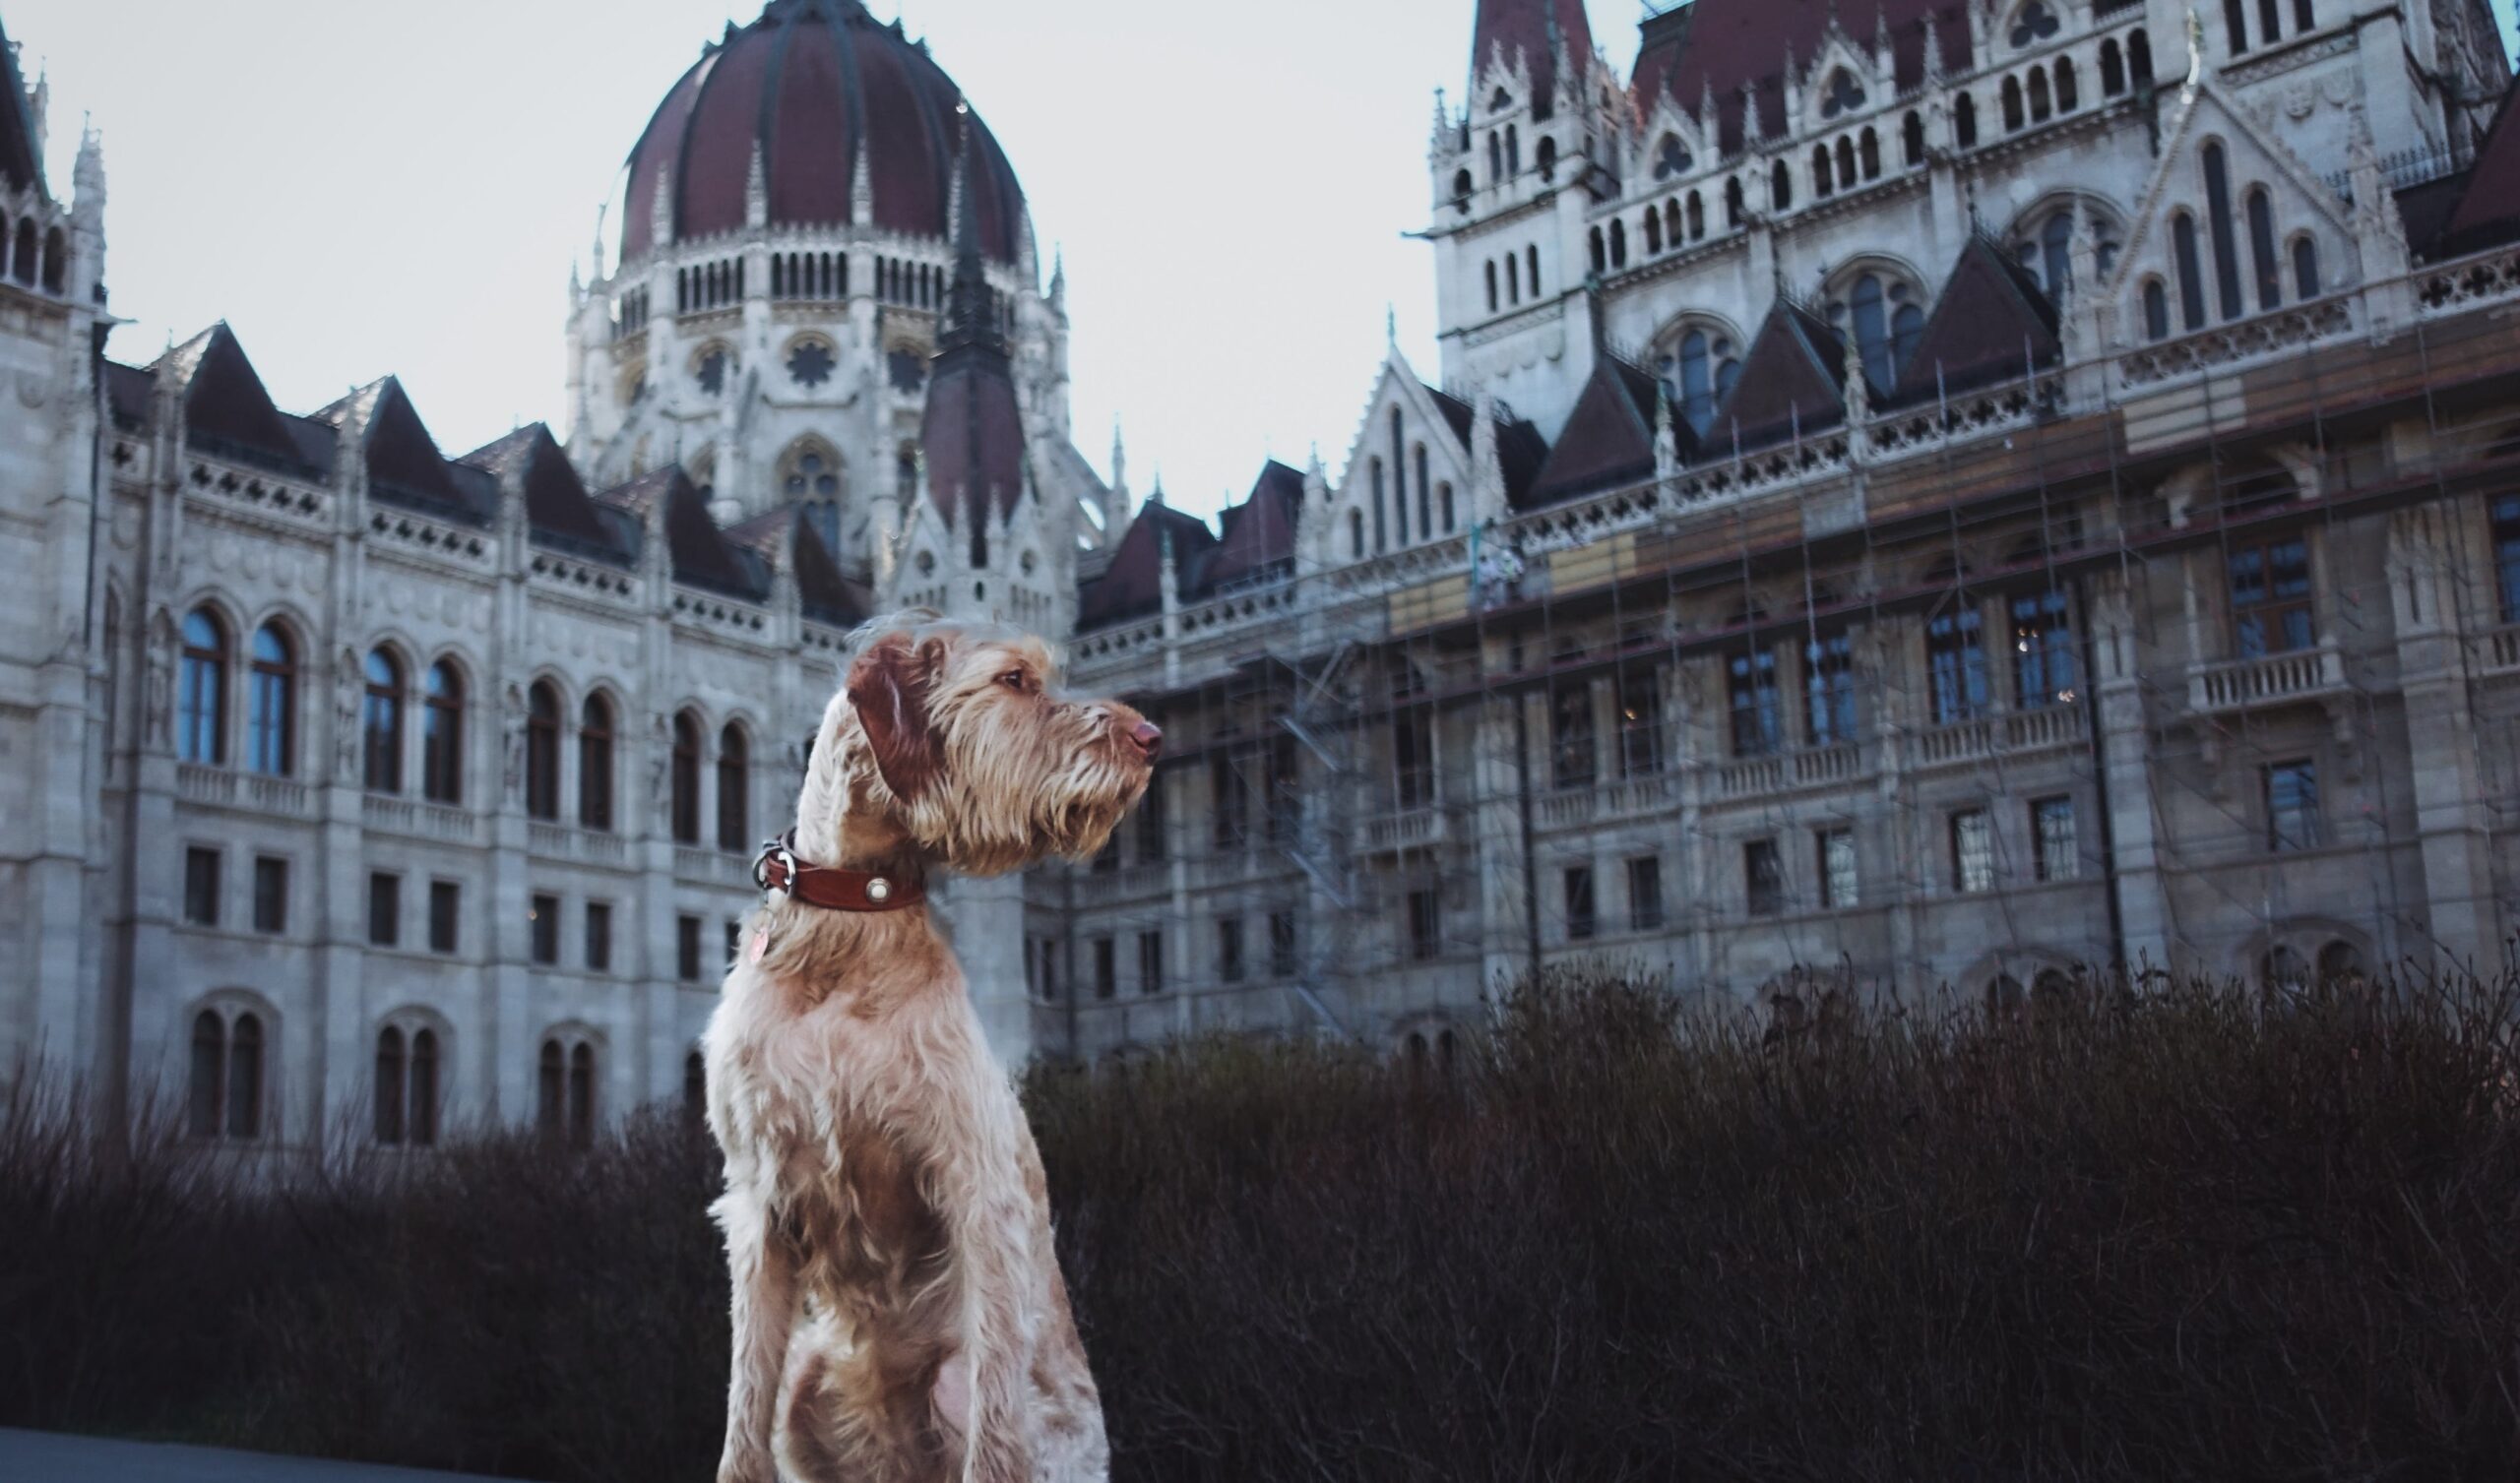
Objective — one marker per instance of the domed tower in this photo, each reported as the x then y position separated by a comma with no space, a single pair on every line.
785,248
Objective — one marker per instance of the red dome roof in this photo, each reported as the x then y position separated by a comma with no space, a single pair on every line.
809,82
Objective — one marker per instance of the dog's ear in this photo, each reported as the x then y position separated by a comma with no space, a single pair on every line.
888,686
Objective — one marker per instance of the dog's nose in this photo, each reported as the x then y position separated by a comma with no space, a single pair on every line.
1149,738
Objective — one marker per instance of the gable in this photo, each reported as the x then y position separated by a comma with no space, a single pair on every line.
1792,382
1607,440
1991,324
227,410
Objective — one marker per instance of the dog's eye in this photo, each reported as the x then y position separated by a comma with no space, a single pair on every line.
1014,679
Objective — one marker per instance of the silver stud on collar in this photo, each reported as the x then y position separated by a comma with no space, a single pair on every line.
879,889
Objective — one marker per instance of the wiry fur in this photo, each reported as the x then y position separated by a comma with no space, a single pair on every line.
899,1315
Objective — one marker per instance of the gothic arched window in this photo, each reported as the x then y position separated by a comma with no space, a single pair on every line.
542,750
2113,69
225,1093
1700,373
2218,219
2305,268
442,735
2156,310
686,778
381,723
1912,138
2013,105
1781,187
734,774
270,704
2261,248
594,763
2191,276
1964,120
1670,157
2068,87
201,695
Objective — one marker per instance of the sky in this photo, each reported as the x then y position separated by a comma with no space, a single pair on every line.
365,189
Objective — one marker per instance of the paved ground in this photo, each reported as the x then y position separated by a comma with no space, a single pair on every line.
45,1457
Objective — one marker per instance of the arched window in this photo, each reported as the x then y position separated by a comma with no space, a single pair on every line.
2038,101
23,268
686,778
1964,120
1444,506
1513,150
1618,243
56,261
2305,18
1491,285
564,1101
2270,22
735,778
2218,219
393,1085
2113,69
542,750
2005,1000
2068,87
1732,203
1871,315
1823,179
1870,154
2012,104
1382,513
1652,231
1697,216
2282,970
2156,310
2139,58
1513,280
1845,163
2235,26
270,704
1912,138
1531,268
1779,187
201,700
2261,248
2056,253
2305,268
442,735
582,1095
2341,963
381,723
1496,159
594,763
1355,535
1545,158
1462,187
225,1094
1705,369
1426,498
1601,259
2191,276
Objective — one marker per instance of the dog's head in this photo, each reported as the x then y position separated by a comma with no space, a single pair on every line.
956,736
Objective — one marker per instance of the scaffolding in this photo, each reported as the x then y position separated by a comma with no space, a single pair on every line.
2195,590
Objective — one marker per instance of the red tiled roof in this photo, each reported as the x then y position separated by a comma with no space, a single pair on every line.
1132,586
1260,533
1794,379
811,82
1990,323
556,502
1505,26
1728,44
1608,438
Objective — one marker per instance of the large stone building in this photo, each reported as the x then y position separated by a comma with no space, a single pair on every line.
1955,492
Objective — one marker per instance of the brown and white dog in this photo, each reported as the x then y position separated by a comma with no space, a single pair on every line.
899,1312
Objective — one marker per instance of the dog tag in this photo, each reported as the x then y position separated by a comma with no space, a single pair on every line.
760,944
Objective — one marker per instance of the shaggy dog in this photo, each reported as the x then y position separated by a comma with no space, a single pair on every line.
899,1312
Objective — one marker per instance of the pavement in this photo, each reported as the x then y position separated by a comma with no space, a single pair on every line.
51,1457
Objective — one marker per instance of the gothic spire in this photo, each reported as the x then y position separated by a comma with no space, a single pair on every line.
971,308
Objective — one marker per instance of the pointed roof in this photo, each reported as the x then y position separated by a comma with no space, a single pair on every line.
557,508
1520,447
1720,46
1794,377
826,595
1259,540
701,556
1607,440
403,465
972,430
1537,29
227,410
128,392
1132,586
2489,210
1991,322
19,163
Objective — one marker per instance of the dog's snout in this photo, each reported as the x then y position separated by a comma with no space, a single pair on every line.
1149,738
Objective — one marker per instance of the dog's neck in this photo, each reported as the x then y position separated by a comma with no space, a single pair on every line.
817,953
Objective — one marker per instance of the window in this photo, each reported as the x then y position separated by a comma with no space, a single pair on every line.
2305,18
1229,948
442,735
407,1089
2218,217
201,701
200,886
542,918
271,709
1640,723
2156,310
2269,21
2113,69
1413,759
446,899
1912,138
2052,828
1618,241
1570,734
2040,107
1106,974
1425,925
381,723
1282,943
1735,209
685,781
1382,517
1700,375
2235,26
1150,962
1232,792
226,1094
1444,506
1582,921
1823,182
2069,93
2293,805
1956,662
1973,850
2271,599
1838,880
565,1088
1885,325
1152,845
271,894
2305,268
598,943
2191,278
384,908
1050,970
594,764
1779,187
1750,694
1828,689
1355,535
2013,105
542,751
2261,248
1492,301
2506,554
2042,649
1964,120
2139,58
1763,877
1425,506
1645,892
686,947
734,774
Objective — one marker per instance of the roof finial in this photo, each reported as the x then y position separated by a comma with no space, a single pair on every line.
1390,327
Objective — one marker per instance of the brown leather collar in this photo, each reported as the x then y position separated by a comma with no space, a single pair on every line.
779,872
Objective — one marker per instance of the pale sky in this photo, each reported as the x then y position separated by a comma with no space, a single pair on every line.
363,188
